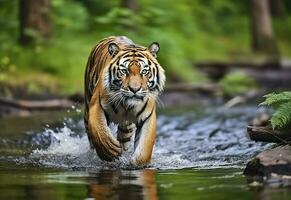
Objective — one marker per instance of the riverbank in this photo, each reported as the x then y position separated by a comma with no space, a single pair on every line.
272,167
239,84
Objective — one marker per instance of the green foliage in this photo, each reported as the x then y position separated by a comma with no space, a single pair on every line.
69,15
236,83
188,31
281,102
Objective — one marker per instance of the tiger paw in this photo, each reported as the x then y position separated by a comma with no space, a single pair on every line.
108,149
140,160
124,134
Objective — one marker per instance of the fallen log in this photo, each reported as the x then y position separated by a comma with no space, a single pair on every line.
266,134
36,105
217,69
268,74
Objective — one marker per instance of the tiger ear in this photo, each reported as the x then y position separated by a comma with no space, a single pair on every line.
154,48
113,49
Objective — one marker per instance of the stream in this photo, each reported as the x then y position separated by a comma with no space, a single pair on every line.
200,153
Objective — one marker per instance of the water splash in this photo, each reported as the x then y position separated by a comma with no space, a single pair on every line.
215,139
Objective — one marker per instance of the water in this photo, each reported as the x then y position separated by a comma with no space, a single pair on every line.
198,154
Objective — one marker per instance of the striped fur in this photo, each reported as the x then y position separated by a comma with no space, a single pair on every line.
122,82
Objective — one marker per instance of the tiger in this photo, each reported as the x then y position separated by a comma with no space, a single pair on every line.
122,83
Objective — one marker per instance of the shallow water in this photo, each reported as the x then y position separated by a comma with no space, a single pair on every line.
198,154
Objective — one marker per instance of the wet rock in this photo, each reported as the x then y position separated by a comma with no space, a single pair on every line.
273,167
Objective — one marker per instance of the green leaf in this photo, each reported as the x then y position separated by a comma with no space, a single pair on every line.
275,100
282,116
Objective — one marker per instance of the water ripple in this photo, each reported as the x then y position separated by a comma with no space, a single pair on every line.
216,138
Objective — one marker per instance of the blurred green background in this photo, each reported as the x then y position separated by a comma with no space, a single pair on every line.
188,31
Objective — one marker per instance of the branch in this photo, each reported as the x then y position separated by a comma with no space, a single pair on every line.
36,105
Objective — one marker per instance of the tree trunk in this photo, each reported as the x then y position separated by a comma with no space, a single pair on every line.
278,8
130,4
34,20
262,31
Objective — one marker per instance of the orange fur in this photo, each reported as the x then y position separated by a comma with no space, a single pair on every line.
99,109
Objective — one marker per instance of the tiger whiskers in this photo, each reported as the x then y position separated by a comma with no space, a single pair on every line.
120,100
160,103
115,97
157,99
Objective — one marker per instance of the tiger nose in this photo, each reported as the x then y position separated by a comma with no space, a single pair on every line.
134,89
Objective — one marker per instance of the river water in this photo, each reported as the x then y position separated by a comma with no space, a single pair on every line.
199,154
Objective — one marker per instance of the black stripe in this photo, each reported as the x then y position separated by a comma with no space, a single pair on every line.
110,74
138,56
86,123
154,88
85,120
127,56
94,74
141,123
110,69
114,70
142,109
127,60
158,75
150,76
117,82
125,130
140,60
139,127
124,54
106,117
129,108
154,72
124,140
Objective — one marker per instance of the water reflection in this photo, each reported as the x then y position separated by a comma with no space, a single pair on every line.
126,185
103,184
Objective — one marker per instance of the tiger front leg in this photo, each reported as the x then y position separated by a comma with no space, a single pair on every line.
144,140
106,146
124,134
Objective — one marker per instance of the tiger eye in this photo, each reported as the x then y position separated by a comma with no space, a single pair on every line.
124,71
144,72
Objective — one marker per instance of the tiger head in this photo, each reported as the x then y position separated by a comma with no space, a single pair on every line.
134,75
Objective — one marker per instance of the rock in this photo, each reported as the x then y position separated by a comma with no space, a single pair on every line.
272,167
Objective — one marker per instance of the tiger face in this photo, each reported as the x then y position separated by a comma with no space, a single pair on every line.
134,74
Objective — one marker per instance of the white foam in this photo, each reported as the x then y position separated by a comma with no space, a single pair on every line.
182,142
64,144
